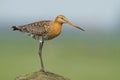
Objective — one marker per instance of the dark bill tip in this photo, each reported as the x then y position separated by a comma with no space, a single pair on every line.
80,28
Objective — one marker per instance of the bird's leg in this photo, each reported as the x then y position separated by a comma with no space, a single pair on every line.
40,54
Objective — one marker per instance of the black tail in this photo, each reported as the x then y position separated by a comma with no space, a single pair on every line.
14,28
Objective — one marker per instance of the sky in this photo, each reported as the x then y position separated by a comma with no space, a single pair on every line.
94,15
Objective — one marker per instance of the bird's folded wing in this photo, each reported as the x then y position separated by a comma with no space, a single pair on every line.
36,30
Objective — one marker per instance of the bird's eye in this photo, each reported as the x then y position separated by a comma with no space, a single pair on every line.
62,18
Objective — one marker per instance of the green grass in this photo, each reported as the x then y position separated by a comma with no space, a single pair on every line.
78,56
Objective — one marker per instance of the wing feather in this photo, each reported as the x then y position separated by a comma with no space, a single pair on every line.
36,28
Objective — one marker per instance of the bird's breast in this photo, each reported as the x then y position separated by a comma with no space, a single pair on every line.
54,30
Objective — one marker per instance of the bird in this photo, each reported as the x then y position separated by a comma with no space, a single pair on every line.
45,30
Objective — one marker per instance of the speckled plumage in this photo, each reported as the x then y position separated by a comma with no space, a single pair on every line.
36,29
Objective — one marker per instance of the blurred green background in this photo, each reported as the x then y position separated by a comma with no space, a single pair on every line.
90,55
77,55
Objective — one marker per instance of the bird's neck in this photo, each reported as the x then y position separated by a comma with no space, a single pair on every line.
56,26
56,23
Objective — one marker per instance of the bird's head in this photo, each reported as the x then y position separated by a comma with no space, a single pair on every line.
62,19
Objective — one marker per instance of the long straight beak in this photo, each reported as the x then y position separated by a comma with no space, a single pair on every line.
74,25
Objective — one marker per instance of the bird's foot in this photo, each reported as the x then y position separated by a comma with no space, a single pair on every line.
42,70
45,72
